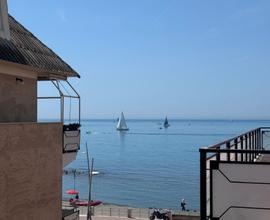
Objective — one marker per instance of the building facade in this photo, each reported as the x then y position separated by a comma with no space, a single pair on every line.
32,154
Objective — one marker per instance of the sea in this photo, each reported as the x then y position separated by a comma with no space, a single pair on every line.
148,166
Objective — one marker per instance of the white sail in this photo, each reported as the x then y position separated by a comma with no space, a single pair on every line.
122,126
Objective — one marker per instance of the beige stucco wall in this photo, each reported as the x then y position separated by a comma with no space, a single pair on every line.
18,100
30,171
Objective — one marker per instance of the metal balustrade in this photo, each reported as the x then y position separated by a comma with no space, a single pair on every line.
71,131
219,165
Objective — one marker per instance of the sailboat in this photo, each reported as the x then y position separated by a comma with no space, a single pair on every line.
121,125
166,123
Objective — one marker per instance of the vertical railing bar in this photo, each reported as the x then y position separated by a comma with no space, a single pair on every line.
241,146
236,147
262,142
218,154
62,106
246,147
253,145
228,146
249,147
259,138
203,183
256,142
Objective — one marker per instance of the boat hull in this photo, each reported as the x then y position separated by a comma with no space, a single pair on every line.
122,129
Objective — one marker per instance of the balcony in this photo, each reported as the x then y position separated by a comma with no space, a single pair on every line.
235,178
65,94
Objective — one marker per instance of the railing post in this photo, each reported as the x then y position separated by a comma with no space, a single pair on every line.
236,147
260,138
246,147
252,145
249,147
241,146
228,146
62,104
256,142
218,154
203,184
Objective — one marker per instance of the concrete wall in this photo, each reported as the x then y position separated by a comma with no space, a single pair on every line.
18,100
30,171
185,217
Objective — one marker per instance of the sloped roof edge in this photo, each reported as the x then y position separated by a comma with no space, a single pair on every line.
26,49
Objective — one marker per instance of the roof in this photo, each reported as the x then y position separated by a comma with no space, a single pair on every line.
25,49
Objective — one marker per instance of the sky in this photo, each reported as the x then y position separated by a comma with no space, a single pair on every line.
187,59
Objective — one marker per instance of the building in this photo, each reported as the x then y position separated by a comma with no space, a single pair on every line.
32,154
235,178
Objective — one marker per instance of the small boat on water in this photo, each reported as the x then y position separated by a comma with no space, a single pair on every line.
95,173
76,172
166,123
121,125
77,202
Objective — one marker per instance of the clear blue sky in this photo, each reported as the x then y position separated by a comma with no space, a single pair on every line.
151,58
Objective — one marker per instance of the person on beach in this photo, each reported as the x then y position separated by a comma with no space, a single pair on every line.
183,205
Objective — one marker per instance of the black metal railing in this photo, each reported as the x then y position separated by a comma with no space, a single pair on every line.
245,148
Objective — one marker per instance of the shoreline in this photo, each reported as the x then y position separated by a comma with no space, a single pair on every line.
116,210
65,199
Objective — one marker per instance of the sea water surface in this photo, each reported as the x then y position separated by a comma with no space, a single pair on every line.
148,166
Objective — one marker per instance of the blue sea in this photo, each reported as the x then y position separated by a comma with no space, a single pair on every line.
148,166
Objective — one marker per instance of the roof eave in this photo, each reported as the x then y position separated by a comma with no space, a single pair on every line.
43,74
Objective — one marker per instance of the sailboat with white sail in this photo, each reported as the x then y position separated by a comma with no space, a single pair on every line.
166,123
121,125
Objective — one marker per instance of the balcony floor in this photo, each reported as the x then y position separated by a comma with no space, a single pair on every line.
265,158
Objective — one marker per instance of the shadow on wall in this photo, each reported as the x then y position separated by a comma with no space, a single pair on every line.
185,217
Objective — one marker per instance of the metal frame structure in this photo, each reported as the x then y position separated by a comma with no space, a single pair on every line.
62,97
243,149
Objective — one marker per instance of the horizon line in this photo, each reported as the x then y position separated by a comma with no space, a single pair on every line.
184,119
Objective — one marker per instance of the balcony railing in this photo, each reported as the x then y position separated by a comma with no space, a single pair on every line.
71,128
234,177
65,92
